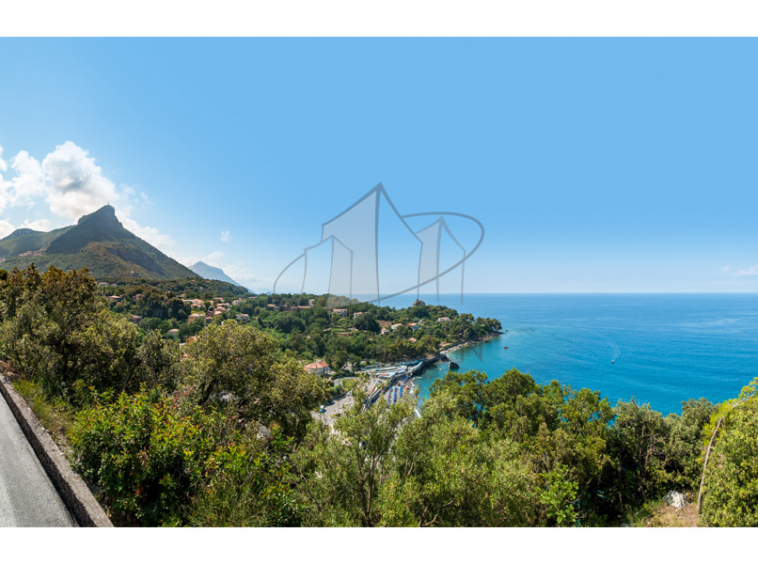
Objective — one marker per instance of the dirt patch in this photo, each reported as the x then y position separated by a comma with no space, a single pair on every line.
668,516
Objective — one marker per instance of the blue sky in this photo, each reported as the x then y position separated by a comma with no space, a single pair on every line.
596,165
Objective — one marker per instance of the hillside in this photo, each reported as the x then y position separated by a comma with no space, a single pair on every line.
212,273
193,287
27,240
99,242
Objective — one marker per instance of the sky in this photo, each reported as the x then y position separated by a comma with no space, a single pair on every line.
594,165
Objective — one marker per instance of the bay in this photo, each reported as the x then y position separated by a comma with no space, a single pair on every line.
665,348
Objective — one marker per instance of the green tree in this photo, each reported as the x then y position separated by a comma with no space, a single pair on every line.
341,474
730,492
147,453
247,485
448,473
242,365
108,353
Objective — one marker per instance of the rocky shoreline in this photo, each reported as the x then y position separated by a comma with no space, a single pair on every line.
442,355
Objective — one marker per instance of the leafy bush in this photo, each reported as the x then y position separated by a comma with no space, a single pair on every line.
247,485
147,452
242,365
730,495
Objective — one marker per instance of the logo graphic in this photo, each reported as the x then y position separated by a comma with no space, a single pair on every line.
371,252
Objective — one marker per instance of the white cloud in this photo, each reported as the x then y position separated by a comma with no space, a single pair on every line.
6,228
42,224
240,271
75,184
149,234
752,271
4,185
226,237
214,259
725,269
29,180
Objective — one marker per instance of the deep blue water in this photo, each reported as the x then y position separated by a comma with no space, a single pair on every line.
666,347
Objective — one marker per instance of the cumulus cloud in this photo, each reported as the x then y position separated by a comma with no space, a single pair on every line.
149,234
214,259
29,180
752,271
226,237
42,224
76,185
240,271
72,184
6,228
4,185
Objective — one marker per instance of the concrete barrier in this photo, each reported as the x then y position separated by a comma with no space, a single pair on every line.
73,491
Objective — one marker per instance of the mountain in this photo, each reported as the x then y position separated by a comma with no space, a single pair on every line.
211,273
26,240
99,242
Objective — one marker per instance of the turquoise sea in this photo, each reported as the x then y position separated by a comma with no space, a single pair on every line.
666,348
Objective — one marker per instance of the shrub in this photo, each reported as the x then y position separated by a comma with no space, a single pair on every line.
247,485
147,452
730,496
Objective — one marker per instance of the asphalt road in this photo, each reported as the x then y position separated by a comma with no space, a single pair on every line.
330,416
27,497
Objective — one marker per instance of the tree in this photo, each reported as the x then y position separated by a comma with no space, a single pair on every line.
43,314
247,485
108,353
367,322
341,474
730,492
159,360
639,453
685,443
447,473
242,365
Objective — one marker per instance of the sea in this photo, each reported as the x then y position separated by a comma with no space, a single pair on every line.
660,349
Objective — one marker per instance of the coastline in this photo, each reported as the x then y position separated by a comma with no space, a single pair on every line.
471,343
452,348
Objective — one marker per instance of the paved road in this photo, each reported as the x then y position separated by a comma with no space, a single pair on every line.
330,416
27,497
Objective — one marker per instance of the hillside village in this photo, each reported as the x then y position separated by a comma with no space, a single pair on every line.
327,340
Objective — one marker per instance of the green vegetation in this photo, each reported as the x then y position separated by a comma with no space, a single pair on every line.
220,432
27,240
191,287
309,333
99,242
731,479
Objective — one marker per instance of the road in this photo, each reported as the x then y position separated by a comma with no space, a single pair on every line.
27,497
340,405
